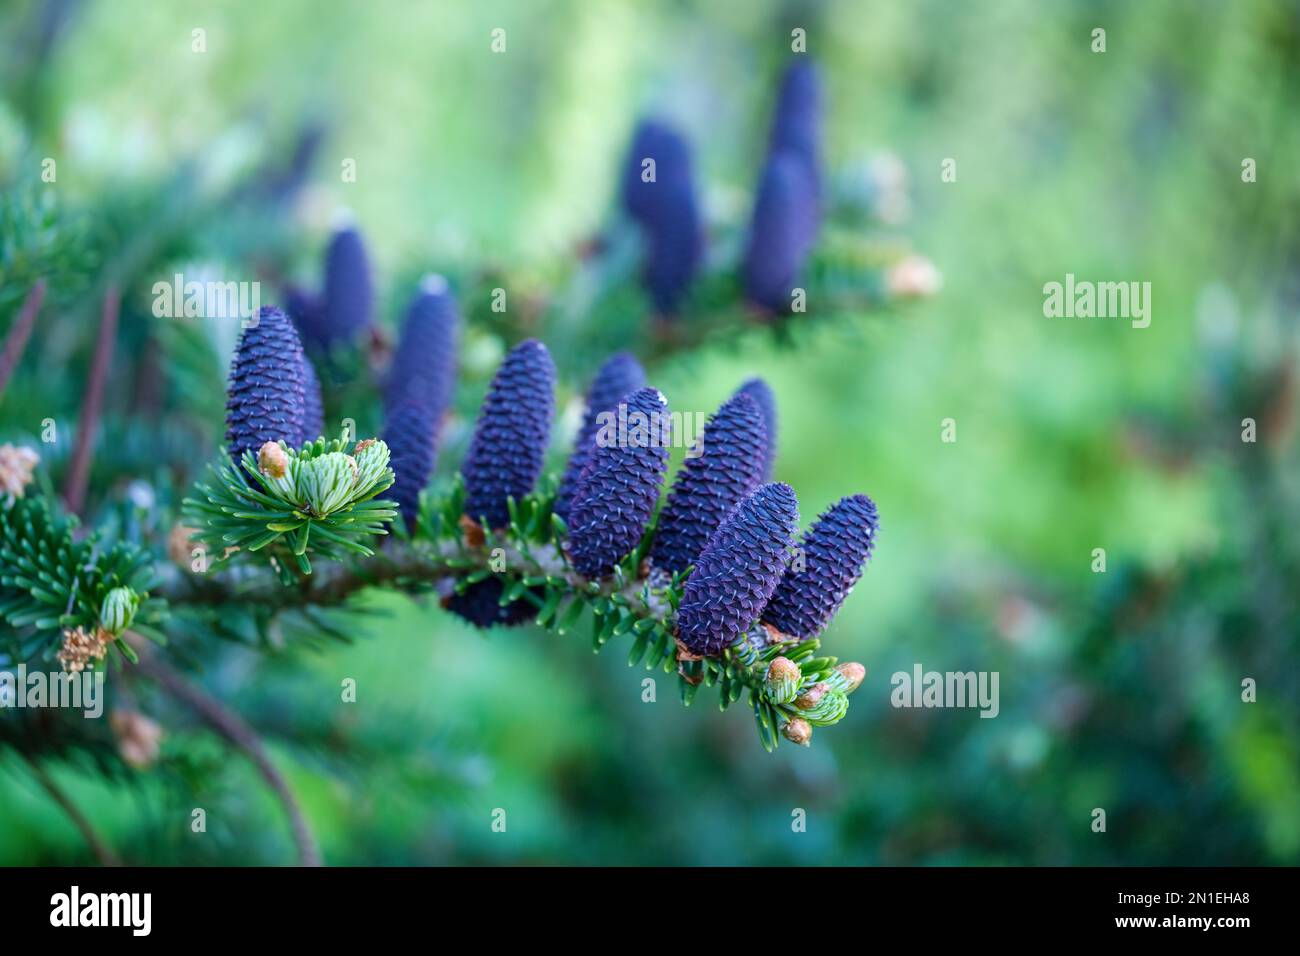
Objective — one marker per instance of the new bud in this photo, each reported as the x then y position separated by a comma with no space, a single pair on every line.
783,678
847,677
811,697
830,708
272,460
118,610
797,731
327,483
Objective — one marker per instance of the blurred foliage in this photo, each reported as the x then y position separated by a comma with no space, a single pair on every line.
1119,690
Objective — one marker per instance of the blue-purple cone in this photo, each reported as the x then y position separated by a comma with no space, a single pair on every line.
711,484
761,393
618,490
265,397
655,140
307,310
667,210
424,365
782,232
835,551
313,409
796,122
620,375
674,247
738,571
481,605
349,289
412,439
514,427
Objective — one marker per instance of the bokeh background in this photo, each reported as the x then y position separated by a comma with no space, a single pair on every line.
1120,690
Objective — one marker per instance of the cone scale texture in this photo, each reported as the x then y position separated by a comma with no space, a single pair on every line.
619,488
761,393
265,396
835,550
730,466
738,571
411,436
510,438
424,365
619,376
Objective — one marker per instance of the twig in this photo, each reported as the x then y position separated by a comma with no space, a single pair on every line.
16,341
74,487
97,846
237,732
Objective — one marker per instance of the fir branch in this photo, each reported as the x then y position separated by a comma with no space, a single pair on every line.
16,340
239,734
74,487
528,559
103,853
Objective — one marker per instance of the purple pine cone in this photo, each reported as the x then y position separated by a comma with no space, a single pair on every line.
349,288
674,247
618,490
481,605
424,365
667,210
711,484
265,398
672,165
796,122
313,409
761,392
835,550
514,427
738,571
412,439
620,375
308,313
782,232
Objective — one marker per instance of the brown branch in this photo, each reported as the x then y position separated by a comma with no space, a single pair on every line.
97,846
16,340
237,732
74,486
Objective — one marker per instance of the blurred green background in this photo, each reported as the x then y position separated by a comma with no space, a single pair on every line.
1119,690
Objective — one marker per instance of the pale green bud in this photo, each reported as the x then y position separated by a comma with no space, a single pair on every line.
783,678
846,677
809,698
118,610
327,483
371,457
829,709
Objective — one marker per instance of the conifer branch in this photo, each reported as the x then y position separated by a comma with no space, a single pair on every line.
92,406
239,734
16,340
103,853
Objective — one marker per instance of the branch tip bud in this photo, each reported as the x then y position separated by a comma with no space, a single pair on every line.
797,731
